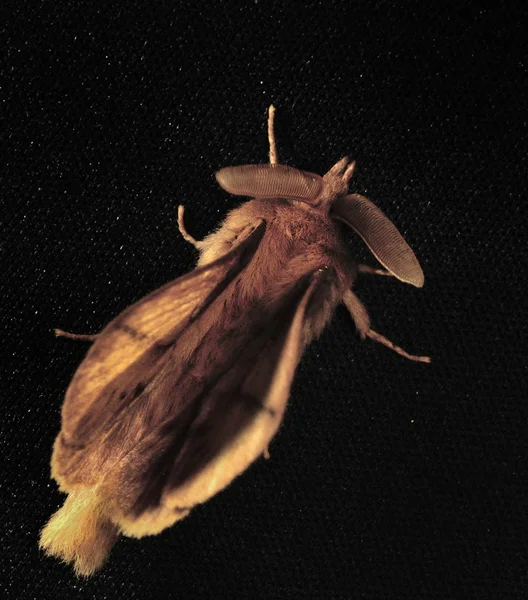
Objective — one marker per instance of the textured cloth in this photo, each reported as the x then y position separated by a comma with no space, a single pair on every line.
388,479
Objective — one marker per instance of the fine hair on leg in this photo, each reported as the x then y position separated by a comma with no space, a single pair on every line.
360,316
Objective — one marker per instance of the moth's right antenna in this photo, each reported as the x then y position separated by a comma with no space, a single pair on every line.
274,159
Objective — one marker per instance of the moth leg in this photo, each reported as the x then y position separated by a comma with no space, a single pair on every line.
358,312
360,315
181,226
82,337
377,337
266,453
373,271
273,156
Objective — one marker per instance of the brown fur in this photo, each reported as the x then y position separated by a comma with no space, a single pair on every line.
184,389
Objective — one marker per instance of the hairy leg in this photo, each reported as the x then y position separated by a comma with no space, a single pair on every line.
181,226
82,337
360,315
373,271
273,156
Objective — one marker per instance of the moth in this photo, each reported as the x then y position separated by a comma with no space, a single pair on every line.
184,389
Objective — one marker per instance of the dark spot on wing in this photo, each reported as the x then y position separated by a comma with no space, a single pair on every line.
70,445
139,389
181,509
258,404
133,333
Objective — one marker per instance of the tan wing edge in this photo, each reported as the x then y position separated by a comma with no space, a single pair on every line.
253,440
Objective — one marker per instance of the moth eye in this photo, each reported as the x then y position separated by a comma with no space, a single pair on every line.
270,181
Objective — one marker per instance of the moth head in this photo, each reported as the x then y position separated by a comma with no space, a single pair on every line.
337,180
330,195
282,181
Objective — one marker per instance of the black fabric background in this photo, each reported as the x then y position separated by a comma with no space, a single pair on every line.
388,479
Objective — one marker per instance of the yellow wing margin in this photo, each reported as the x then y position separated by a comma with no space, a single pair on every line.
252,440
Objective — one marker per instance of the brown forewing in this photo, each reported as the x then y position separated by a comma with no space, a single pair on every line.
129,352
219,425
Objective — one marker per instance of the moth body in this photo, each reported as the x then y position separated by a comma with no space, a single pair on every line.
183,390
298,240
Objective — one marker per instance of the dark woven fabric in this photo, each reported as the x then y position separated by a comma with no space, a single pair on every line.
388,479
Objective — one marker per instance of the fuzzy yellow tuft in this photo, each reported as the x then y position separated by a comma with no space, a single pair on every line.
80,533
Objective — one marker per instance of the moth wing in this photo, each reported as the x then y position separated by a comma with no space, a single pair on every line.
245,439
126,354
186,461
380,235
